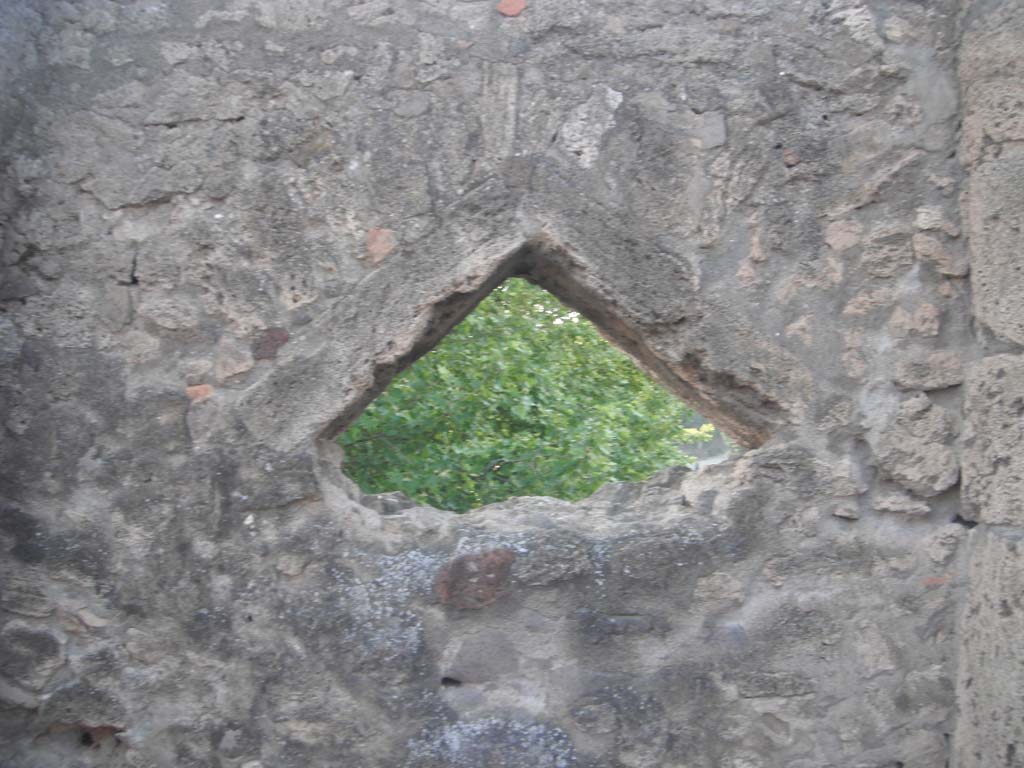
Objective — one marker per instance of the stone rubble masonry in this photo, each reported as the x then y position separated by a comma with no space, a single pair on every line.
914,448
225,227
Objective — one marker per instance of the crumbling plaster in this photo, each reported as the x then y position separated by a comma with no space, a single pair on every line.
227,224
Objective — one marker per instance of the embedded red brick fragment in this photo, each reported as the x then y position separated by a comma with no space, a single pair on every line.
380,243
199,392
268,342
474,581
511,7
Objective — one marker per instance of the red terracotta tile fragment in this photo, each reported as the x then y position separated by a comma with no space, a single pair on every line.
199,392
473,581
511,7
380,243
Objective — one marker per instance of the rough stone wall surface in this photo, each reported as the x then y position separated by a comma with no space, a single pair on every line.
227,224
990,686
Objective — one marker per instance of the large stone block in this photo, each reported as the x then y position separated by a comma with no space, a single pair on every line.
993,466
990,688
994,113
996,221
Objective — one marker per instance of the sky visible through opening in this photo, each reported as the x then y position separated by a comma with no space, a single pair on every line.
523,398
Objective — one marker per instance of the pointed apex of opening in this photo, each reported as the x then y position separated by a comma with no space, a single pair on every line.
320,384
744,414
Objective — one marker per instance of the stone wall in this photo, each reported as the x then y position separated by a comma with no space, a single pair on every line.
227,225
990,687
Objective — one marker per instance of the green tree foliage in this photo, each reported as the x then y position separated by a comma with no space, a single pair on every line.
524,397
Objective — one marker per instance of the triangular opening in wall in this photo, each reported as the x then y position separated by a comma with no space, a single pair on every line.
524,397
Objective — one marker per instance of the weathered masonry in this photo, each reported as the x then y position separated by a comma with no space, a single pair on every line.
227,223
